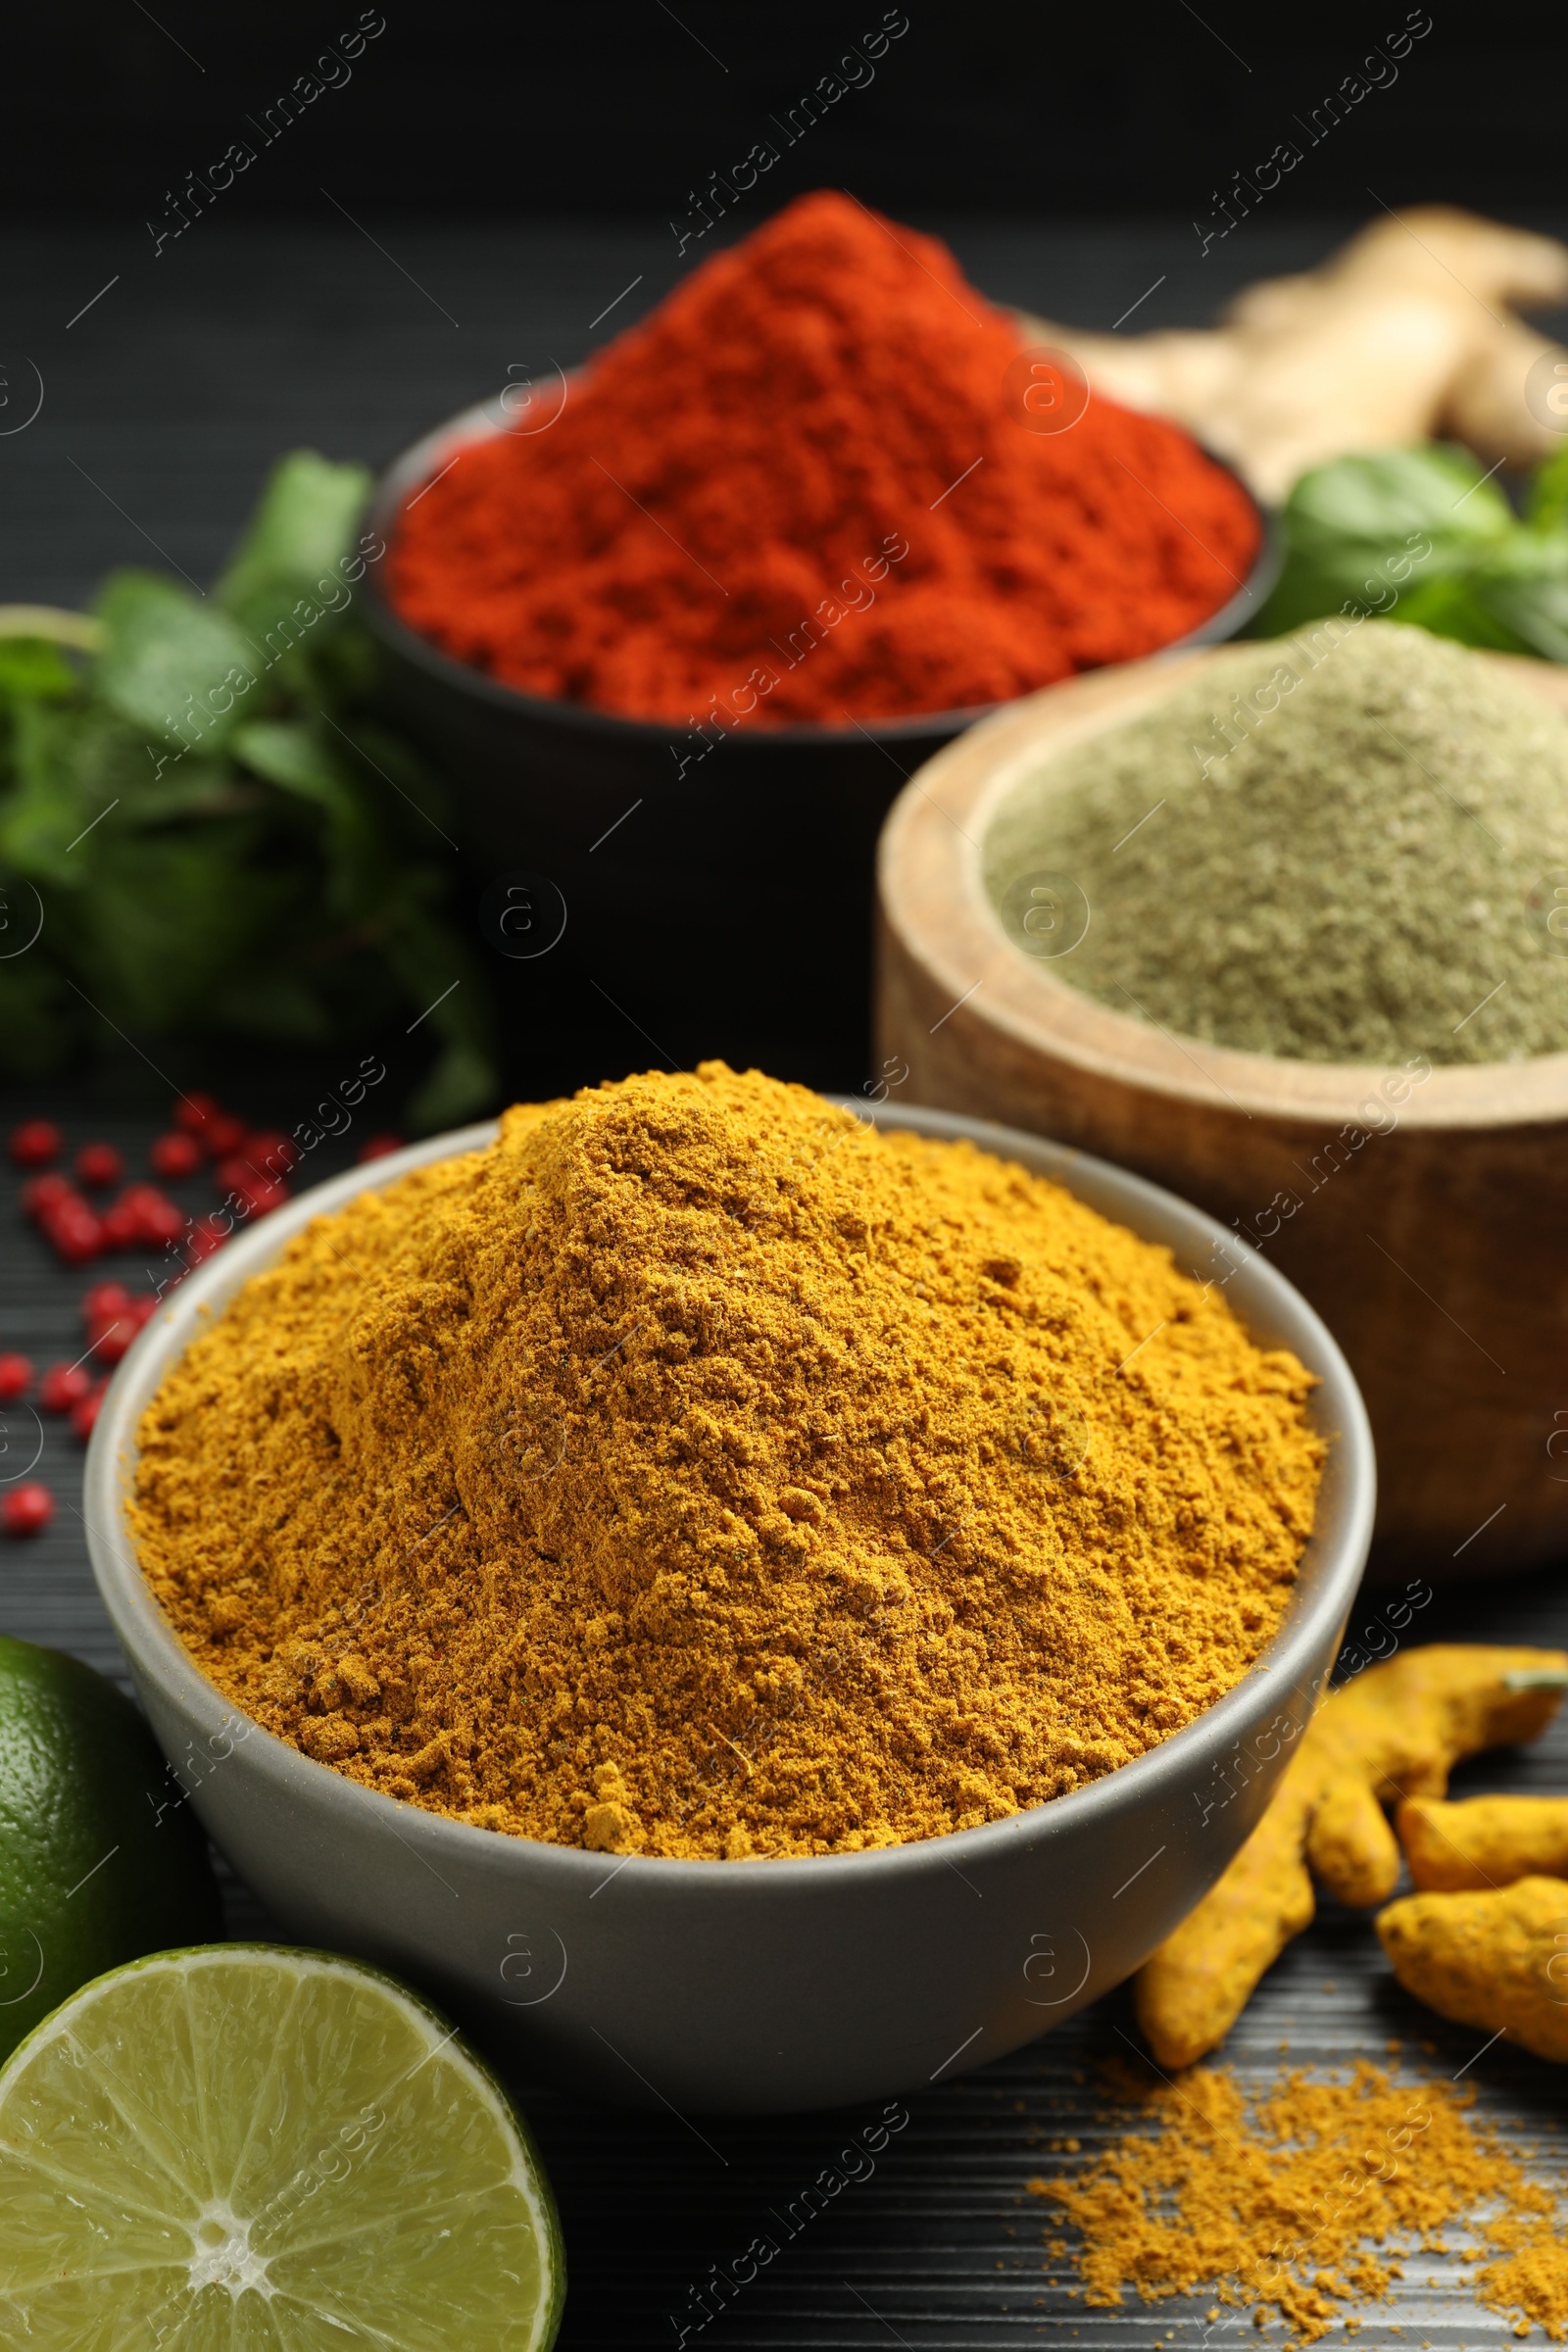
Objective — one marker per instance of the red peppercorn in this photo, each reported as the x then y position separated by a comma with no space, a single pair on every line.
203,1239
36,1143
104,1301
26,1510
109,1340
176,1155
100,1164
121,1228
16,1377
62,1387
192,1112
152,1216
40,1193
162,1221
377,1146
116,1323
245,1180
270,1152
261,1198
224,1134
76,1233
85,1412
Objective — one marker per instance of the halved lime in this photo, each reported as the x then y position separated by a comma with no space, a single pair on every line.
244,2148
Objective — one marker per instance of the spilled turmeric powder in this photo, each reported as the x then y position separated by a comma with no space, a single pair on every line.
698,1471
1307,2198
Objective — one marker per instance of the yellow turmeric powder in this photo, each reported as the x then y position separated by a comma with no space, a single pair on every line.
1300,2200
698,1471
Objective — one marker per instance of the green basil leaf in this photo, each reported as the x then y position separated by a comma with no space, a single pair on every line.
177,915
443,982
1379,501
290,753
40,1024
301,760
1455,605
71,765
1546,509
1358,531
1524,587
461,1085
171,663
300,545
408,800
31,669
220,840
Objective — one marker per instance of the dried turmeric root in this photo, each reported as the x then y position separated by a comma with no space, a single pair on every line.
1497,1961
1396,1732
1485,1841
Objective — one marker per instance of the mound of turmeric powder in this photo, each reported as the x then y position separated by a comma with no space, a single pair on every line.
698,1471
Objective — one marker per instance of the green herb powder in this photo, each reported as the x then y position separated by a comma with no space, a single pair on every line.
1347,845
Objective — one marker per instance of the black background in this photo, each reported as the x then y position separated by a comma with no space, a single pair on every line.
553,110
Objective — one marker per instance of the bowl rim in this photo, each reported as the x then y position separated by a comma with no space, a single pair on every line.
931,895
421,460
1337,1549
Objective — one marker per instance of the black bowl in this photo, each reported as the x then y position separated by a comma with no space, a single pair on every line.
639,888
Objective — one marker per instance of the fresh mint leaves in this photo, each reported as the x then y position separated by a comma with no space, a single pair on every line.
219,837
1425,536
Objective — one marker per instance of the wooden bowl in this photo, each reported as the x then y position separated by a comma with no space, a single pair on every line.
1426,1219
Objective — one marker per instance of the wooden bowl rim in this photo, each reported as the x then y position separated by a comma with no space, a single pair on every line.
932,897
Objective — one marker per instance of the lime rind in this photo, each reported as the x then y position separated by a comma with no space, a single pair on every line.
264,2149
101,1857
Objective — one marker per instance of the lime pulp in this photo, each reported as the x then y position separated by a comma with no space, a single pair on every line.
243,2148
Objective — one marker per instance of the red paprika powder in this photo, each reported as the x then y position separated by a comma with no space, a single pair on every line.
804,488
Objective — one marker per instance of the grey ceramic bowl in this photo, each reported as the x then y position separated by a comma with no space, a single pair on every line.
769,1984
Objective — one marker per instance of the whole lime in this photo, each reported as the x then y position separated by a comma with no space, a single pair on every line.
101,1858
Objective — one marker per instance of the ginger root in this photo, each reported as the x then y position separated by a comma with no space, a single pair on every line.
1497,1961
1404,335
1396,1732
1484,1841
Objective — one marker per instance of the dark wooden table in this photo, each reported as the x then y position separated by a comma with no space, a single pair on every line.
162,406
941,2245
